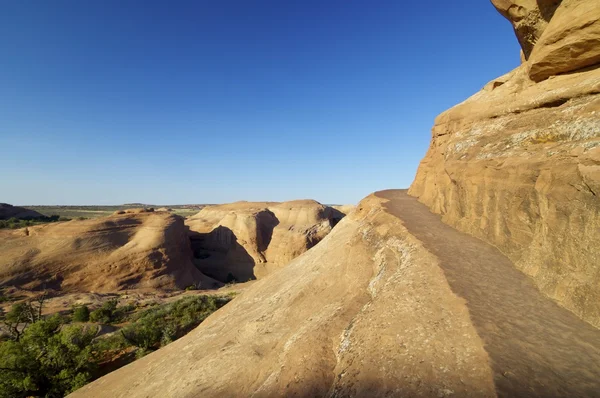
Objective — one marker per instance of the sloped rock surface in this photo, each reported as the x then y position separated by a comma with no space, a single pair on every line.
392,303
367,312
129,251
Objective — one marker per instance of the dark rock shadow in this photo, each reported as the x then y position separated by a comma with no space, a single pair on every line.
267,221
218,255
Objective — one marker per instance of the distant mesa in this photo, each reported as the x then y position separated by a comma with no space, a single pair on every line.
8,211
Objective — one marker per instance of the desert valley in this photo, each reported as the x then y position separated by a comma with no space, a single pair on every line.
481,279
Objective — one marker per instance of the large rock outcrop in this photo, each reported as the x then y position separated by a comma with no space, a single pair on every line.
518,164
367,312
128,251
248,240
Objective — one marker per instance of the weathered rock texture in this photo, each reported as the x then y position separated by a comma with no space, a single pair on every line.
518,164
9,211
250,239
367,312
528,17
129,251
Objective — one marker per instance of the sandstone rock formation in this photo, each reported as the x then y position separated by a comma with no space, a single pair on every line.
308,329
8,211
518,164
248,240
391,303
128,251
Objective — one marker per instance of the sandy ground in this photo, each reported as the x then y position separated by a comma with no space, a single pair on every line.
537,348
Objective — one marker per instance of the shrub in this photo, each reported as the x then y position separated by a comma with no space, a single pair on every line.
104,314
48,360
81,314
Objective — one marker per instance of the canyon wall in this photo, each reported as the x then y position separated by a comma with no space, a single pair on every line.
518,164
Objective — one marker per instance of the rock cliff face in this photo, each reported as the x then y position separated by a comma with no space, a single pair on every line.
518,164
248,240
128,251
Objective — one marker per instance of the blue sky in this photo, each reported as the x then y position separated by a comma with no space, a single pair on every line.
108,102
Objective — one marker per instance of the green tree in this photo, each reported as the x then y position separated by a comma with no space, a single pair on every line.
21,315
49,359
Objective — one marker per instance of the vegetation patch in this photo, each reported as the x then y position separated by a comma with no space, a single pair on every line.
52,356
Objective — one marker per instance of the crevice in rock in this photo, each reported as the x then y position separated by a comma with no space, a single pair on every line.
554,104
589,188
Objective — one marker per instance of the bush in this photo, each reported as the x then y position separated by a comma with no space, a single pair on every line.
81,314
110,313
105,313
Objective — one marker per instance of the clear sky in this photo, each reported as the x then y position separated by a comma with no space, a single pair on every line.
169,102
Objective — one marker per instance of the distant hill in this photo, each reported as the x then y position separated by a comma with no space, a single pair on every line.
9,211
